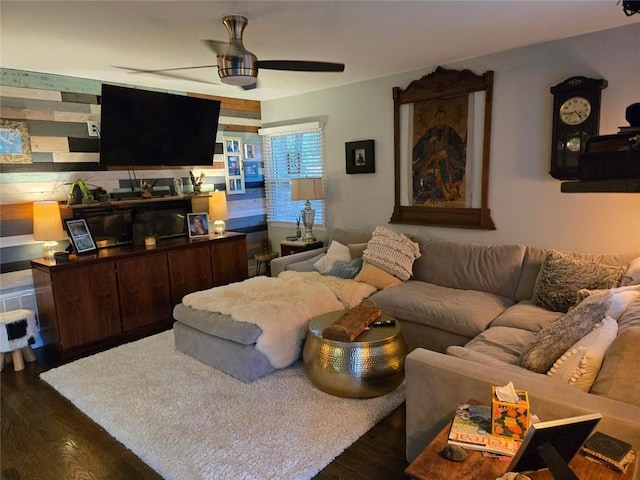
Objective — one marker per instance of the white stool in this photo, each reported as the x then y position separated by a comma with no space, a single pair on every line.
18,331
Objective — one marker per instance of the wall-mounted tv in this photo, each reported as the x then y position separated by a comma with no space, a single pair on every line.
145,128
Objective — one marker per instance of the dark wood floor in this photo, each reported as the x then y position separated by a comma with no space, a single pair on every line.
45,437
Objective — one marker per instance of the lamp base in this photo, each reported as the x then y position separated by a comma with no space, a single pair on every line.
308,217
48,249
219,227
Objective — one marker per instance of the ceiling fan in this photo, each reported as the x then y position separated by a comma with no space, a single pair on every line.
238,66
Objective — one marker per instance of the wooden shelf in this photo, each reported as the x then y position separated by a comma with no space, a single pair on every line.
618,185
133,201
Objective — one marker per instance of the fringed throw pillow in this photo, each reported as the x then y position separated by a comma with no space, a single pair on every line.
392,252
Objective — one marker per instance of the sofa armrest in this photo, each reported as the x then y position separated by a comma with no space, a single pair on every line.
280,264
438,383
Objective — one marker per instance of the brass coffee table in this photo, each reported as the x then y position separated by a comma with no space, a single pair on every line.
371,366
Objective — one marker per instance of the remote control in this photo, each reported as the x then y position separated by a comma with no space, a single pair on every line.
383,323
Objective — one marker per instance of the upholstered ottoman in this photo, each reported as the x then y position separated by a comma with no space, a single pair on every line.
18,331
221,342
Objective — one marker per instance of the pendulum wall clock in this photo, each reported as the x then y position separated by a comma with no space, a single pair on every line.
576,118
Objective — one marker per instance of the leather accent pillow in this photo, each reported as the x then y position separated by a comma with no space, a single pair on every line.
392,252
554,339
580,364
561,276
374,276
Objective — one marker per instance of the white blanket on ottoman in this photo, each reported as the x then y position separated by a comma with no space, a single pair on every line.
281,307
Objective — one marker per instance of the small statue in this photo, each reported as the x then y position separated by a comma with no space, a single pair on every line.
177,186
197,182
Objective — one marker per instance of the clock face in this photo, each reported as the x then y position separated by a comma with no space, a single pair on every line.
575,110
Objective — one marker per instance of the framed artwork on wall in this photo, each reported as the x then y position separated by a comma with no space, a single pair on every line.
81,238
360,157
198,225
15,144
442,130
234,164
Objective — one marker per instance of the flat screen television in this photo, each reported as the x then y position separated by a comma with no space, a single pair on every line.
145,128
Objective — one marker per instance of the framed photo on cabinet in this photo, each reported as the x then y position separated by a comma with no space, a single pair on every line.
81,238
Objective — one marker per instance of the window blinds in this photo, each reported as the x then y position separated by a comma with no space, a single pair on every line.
293,151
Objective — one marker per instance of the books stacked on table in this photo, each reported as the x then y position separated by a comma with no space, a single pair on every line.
609,451
471,429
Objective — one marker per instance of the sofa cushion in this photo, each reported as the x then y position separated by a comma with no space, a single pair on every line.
392,252
580,364
502,343
464,312
217,325
534,257
526,316
487,268
632,275
349,236
357,249
485,360
618,377
561,276
553,340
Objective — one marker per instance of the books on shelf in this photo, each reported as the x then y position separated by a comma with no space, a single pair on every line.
471,429
610,451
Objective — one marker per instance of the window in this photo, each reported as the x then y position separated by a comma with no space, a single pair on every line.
292,151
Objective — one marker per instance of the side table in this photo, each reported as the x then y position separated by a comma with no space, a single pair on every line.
264,258
289,247
370,366
430,465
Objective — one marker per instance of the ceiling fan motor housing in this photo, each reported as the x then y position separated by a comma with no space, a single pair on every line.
237,65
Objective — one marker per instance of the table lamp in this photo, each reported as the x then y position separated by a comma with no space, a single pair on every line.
307,189
218,211
47,226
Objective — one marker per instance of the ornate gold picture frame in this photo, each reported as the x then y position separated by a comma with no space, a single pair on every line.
442,133
15,144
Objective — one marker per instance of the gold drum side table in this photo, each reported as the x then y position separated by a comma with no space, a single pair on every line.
371,366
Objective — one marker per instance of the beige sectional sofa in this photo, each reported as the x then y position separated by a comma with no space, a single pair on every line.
468,316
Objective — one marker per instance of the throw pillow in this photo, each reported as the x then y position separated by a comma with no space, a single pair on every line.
336,252
392,252
632,275
561,276
557,337
346,269
580,364
630,317
376,277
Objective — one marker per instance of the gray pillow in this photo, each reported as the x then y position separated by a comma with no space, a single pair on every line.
347,270
553,340
561,276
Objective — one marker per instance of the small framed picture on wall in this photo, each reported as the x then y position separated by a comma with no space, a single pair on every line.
360,157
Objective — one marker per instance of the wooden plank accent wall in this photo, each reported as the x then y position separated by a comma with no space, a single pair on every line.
56,109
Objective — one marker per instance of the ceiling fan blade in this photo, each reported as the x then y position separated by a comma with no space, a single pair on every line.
168,74
140,70
252,86
301,65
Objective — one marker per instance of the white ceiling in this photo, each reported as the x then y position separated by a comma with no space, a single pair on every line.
90,39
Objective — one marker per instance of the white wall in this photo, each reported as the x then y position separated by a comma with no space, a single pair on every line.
525,201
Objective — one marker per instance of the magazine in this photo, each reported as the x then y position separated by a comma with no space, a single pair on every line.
471,429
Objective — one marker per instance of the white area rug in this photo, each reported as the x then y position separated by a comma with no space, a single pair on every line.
190,421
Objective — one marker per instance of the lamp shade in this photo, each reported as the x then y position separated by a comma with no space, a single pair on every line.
47,222
218,206
306,189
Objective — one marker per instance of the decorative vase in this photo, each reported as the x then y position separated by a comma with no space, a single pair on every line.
298,232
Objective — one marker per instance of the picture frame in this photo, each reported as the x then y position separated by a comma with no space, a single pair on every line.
442,179
251,151
80,235
198,225
553,444
15,143
360,157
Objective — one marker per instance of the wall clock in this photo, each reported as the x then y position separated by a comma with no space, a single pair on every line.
576,117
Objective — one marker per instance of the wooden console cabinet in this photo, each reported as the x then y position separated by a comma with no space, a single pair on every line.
119,294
